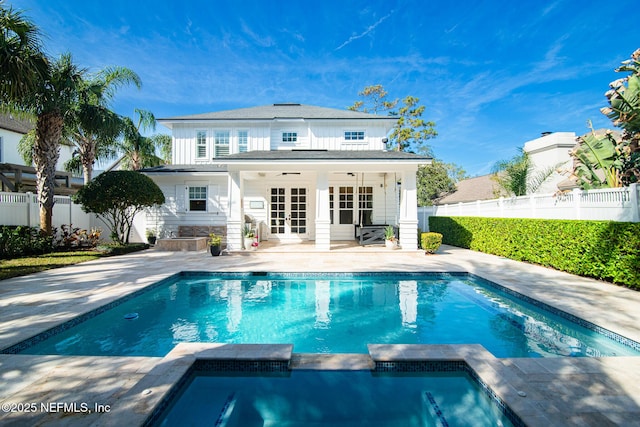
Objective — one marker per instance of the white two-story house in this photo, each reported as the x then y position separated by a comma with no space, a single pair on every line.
297,172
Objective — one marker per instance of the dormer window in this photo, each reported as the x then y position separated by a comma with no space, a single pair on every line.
289,136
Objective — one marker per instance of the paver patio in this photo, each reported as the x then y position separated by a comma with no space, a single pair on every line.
559,391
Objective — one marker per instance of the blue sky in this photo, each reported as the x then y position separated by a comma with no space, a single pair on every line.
492,74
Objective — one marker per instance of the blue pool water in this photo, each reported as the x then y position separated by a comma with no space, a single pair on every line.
328,313
328,398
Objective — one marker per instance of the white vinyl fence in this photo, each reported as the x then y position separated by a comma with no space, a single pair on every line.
610,204
23,209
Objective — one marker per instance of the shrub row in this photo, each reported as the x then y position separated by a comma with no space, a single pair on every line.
601,249
20,241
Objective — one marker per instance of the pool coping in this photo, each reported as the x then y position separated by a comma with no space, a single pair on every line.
154,392
566,391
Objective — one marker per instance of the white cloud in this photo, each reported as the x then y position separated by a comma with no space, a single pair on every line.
367,31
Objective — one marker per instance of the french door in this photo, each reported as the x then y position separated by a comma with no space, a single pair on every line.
288,213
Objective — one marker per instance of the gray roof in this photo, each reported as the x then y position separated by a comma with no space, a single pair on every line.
472,189
185,168
279,111
321,156
12,124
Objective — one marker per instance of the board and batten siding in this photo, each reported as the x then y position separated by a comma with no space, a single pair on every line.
184,141
174,212
317,135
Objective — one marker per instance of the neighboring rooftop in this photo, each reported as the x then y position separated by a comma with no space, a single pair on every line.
472,189
12,124
289,111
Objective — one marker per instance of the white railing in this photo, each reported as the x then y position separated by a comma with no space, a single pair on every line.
610,204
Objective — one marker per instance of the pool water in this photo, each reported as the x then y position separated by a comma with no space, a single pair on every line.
328,313
329,398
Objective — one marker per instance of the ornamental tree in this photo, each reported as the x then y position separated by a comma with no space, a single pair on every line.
116,197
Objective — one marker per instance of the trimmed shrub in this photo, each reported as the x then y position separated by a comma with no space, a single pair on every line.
19,241
604,250
116,249
430,242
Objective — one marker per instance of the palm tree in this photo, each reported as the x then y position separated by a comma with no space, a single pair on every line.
515,175
96,128
140,151
48,91
54,100
22,63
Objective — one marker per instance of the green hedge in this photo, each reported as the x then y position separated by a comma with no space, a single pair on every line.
601,249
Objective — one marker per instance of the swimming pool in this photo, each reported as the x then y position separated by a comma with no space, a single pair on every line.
325,398
327,313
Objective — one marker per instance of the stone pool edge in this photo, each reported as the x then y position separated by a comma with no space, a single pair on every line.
147,399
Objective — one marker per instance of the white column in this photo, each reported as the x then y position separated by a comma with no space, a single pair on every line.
409,212
234,220
323,220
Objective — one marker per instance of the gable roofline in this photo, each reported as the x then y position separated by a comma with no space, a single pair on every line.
277,112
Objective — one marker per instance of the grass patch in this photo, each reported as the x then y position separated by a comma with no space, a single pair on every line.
33,264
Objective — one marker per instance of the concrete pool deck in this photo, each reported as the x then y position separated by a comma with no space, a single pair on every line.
559,391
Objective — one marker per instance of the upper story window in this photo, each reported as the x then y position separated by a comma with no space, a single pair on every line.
243,141
201,144
289,136
354,135
221,143
198,199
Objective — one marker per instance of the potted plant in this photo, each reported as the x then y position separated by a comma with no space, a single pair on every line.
151,237
390,240
249,236
215,244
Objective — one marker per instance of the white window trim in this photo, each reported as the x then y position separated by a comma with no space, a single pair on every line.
215,145
202,184
206,145
237,135
289,133
346,141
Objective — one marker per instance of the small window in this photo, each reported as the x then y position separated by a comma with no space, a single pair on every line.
221,143
289,136
351,135
201,144
243,141
198,199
